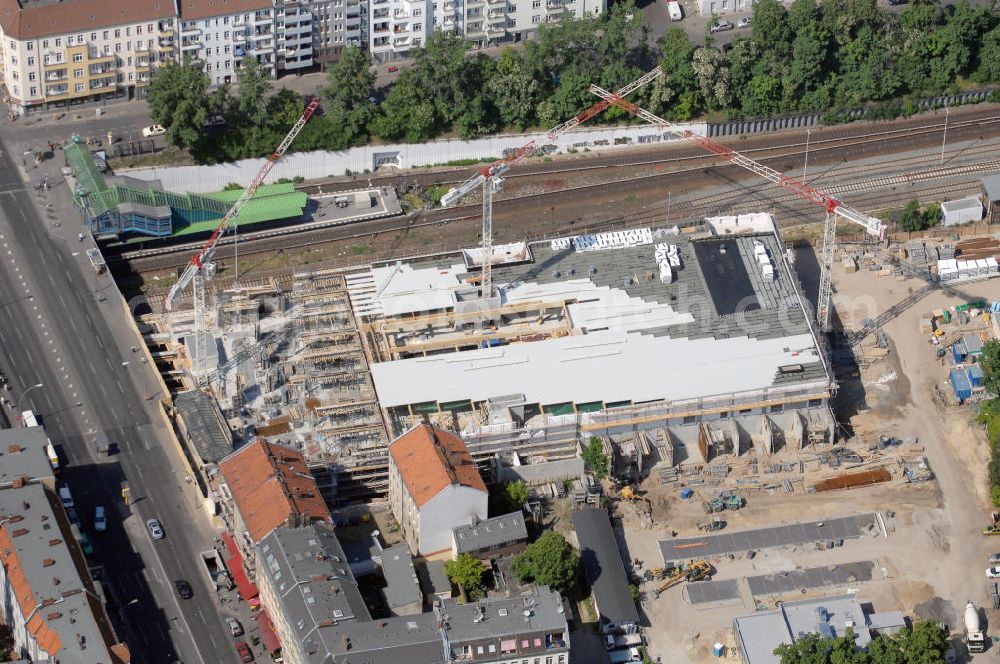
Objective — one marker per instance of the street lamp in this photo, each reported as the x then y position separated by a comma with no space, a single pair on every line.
806,165
23,394
944,139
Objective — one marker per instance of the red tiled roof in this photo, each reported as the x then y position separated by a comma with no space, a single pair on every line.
57,18
269,483
431,459
47,638
195,9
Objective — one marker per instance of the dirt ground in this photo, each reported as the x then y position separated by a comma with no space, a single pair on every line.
934,557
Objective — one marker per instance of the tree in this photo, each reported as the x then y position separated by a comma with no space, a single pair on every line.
254,81
713,77
926,643
911,220
770,28
989,361
467,572
550,561
809,53
513,90
177,100
595,458
407,113
762,97
517,493
988,70
350,87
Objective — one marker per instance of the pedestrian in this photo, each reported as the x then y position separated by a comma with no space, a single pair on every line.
134,349
80,236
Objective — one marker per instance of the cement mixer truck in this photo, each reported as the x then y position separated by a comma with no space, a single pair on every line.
974,637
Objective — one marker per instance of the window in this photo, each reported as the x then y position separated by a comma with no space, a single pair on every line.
128,31
138,29
493,648
149,28
130,61
226,34
79,87
69,40
77,73
225,49
104,35
418,26
128,45
45,43
225,20
107,49
149,43
14,74
418,12
118,33
130,78
118,47
13,46
31,75
78,57
13,61
93,36
34,91
120,78
31,46
536,19
479,650
58,41
208,53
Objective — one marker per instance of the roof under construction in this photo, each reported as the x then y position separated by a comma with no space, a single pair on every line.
597,319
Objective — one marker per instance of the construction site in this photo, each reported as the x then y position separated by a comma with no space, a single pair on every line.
761,447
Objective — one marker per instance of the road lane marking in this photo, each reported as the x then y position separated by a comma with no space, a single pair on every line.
122,389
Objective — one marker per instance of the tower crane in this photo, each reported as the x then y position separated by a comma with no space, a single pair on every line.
194,272
834,208
490,176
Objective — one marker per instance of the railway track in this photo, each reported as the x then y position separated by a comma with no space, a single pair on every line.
292,238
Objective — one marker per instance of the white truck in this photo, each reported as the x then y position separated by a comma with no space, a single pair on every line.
675,11
615,642
625,656
974,637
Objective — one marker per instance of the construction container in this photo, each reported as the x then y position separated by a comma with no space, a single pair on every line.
975,373
960,383
926,325
687,493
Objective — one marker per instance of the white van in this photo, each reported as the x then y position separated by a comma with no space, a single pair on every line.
675,11
625,656
28,419
100,519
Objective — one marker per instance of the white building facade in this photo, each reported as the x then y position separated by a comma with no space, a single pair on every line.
709,7
54,55
400,25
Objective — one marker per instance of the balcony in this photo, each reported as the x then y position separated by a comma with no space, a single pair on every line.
58,91
190,46
401,41
497,13
381,29
554,5
193,31
163,34
165,47
298,52
140,82
53,76
475,29
142,65
98,71
96,58
380,13
105,85
448,23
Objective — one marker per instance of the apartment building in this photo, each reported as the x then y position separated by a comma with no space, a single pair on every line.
55,54
314,32
434,486
221,32
400,25
50,604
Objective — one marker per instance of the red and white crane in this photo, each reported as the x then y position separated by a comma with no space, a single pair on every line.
194,272
834,208
490,177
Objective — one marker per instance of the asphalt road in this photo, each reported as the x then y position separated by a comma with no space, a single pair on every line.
62,326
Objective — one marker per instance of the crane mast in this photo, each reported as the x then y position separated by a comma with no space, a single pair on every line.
490,177
834,208
194,268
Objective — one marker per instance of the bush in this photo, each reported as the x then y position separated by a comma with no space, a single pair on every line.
550,561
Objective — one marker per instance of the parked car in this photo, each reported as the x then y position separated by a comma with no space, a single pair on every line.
721,26
392,69
85,544
243,650
993,572
153,130
183,589
235,628
744,22
73,516
155,529
66,497
100,519
215,121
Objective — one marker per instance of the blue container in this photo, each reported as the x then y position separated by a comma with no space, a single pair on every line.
687,493
718,650
960,383
976,375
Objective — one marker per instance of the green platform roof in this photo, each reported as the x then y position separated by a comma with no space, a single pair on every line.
271,203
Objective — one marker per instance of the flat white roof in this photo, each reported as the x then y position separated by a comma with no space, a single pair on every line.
604,366
401,289
969,203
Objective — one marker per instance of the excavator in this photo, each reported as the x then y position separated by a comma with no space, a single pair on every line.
696,571
628,492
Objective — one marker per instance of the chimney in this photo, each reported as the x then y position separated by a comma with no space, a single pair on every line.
48,562
55,542
54,615
19,532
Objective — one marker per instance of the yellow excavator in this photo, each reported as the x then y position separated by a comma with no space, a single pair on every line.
696,571
628,492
